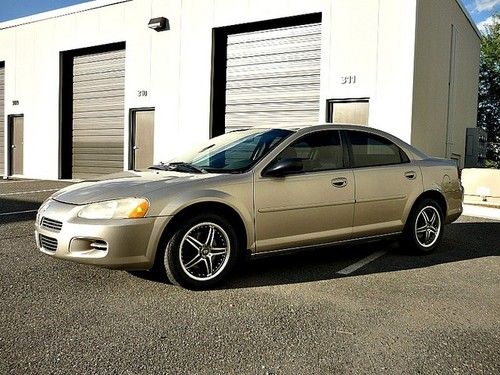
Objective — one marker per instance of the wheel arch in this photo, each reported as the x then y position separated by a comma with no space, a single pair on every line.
436,196
220,208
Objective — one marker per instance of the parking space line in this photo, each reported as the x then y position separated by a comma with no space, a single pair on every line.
17,212
28,192
363,262
15,181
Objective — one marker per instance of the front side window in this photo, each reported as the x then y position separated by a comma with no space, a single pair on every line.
233,152
319,151
370,150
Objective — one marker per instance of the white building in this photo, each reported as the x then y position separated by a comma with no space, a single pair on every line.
75,82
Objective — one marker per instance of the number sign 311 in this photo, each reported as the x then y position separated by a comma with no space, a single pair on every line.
348,80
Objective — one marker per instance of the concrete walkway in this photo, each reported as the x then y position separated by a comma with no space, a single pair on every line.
479,211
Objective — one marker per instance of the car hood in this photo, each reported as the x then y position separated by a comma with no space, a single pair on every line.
122,185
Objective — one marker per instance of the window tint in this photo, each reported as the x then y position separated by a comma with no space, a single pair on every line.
251,149
372,150
318,151
233,152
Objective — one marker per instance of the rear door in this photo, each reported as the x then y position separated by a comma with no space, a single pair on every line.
310,207
386,183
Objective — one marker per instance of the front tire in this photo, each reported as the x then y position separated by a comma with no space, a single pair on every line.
201,252
425,226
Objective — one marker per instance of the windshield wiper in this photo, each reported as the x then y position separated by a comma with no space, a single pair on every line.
183,166
178,166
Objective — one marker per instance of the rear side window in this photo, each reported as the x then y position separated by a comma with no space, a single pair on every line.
370,150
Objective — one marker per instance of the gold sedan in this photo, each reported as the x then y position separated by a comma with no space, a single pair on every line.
254,190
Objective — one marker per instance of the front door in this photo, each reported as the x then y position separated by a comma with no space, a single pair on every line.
142,138
310,207
16,140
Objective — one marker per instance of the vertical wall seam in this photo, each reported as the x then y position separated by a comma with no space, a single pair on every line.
179,96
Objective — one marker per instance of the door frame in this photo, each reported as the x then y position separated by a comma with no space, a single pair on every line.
217,119
131,133
10,124
2,171
66,59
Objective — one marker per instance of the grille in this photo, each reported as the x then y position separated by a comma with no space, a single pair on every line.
48,243
51,224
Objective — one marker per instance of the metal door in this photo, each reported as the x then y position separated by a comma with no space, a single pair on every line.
98,117
16,131
273,77
348,111
142,138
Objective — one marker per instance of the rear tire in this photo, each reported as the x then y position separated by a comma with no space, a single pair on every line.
200,253
425,226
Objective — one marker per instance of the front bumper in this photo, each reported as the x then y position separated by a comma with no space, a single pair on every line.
125,244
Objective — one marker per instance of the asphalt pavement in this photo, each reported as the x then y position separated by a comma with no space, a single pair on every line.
297,314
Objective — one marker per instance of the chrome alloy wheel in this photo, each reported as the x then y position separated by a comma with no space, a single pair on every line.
204,251
427,226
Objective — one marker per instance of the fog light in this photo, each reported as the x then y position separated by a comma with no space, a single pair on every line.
99,245
90,247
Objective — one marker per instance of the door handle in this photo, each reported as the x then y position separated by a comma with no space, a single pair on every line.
339,182
411,175
135,147
13,146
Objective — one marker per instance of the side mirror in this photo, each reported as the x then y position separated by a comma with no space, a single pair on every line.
284,167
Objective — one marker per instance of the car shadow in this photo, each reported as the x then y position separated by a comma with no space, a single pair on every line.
15,210
149,276
461,241
19,198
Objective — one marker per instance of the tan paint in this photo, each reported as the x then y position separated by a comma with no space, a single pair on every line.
382,196
285,212
303,209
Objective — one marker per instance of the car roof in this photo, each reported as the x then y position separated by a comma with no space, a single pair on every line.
331,126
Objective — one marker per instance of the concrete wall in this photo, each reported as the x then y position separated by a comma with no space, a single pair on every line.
358,38
371,39
481,186
31,53
432,76
392,102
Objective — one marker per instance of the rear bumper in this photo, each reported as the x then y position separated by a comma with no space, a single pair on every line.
454,201
453,215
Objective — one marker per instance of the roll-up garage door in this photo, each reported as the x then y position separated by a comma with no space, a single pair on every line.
98,113
2,123
273,77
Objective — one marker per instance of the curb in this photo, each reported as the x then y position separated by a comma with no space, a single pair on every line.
492,213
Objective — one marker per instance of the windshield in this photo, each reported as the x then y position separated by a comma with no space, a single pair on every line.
233,152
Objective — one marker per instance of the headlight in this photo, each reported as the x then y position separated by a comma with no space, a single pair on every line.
128,208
